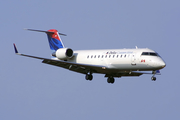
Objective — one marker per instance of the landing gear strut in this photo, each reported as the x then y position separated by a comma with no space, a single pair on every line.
110,80
153,78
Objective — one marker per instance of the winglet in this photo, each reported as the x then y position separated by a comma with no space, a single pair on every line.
16,51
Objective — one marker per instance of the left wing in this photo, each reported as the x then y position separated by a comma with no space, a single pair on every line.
77,67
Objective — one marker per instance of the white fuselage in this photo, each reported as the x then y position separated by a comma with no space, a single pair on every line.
121,59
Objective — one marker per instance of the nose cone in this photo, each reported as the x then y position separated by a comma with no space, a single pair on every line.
157,63
162,64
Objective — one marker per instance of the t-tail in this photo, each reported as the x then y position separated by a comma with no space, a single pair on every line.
54,39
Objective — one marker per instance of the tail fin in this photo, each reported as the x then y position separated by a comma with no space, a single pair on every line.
54,39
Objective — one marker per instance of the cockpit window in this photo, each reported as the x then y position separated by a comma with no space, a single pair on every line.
153,54
150,54
145,53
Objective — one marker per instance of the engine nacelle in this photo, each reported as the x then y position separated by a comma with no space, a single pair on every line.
63,53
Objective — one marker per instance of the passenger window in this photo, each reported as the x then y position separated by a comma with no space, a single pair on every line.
95,56
109,56
113,56
124,55
106,56
121,56
88,56
117,56
91,56
98,56
102,56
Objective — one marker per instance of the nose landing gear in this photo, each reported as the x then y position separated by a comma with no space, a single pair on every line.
153,78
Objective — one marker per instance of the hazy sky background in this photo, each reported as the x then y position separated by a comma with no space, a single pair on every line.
31,90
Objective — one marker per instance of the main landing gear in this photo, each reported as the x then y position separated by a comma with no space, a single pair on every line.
89,77
110,79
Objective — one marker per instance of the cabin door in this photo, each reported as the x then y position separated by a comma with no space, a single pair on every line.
133,59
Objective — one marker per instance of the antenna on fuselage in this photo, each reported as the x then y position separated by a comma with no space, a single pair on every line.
136,47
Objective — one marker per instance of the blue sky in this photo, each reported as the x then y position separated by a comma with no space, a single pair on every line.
32,90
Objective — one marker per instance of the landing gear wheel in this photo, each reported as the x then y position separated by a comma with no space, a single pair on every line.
88,77
110,80
153,78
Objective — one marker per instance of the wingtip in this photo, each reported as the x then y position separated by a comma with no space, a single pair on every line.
15,49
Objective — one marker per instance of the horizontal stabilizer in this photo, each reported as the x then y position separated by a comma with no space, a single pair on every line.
44,31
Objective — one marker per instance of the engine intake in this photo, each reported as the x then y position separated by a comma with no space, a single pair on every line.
63,53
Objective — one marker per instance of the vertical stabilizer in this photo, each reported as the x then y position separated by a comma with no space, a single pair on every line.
53,37
54,40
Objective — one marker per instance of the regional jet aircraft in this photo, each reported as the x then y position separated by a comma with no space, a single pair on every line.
110,62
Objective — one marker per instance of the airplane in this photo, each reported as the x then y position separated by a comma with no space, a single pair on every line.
110,62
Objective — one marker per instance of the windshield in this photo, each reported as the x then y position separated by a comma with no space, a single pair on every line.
150,54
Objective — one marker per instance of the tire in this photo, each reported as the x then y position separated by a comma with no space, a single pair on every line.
112,80
109,80
153,78
86,77
90,77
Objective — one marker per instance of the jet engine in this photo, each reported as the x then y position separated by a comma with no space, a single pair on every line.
63,53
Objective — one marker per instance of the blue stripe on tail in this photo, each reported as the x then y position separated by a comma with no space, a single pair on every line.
54,44
54,39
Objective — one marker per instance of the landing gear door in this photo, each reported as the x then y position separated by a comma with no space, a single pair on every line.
133,59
